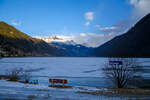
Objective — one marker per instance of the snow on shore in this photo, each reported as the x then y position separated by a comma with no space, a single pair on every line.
18,90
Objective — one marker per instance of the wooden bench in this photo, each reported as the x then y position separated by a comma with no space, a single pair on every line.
53,81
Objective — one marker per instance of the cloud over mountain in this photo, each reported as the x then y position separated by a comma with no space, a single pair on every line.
86,39
140,9
89,16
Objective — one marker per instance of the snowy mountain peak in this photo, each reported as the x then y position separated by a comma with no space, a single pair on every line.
57,39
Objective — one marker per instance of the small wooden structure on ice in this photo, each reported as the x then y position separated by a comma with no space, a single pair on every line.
53,81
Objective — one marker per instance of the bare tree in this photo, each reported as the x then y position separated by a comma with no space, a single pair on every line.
121,71
17,73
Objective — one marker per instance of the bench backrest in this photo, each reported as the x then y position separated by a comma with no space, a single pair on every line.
58,81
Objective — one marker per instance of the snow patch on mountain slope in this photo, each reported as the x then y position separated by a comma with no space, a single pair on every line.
55,38
85,39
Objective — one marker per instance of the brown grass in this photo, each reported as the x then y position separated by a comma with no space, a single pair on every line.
114,91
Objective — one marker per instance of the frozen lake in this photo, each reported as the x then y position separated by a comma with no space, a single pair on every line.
84,74
81,71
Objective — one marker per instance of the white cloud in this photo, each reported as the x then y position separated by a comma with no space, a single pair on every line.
82,34
93,39
15,23
86,39
89,15
141,8
134,2
87,23
95,35
108,28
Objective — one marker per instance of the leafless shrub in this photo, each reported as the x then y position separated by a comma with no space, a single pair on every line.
16,74
121,71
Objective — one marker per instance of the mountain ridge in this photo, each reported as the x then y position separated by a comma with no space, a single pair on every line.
16,43
134,43
74,50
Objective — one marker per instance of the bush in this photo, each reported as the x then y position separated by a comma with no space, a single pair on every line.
16,74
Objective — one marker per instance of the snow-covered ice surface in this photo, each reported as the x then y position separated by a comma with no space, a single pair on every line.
82,73
19,91
59,66
55,66
79,71
15,90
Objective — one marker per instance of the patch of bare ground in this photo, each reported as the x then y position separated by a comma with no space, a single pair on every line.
119,91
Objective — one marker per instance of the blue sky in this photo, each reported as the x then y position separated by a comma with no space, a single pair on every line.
87,18
42,17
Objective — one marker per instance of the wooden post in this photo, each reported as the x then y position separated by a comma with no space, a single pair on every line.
53,83
63,83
